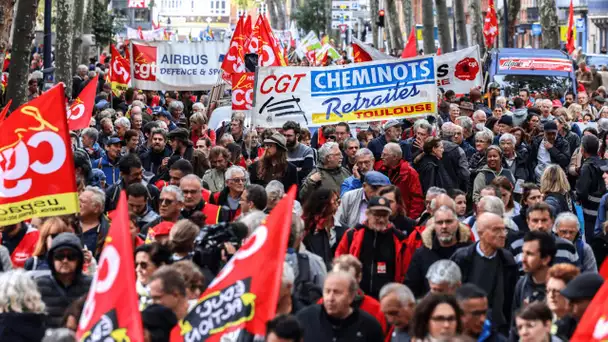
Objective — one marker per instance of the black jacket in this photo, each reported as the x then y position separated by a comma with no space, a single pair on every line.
456,164
289,178
113,194
22,327
590,188
433,173
55,295
151,160
319,327
317,242
599,244
559,153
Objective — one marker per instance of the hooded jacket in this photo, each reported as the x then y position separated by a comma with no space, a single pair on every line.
55,295
590,188
519,116
330,179
151,161
22,326
407,179
485,177
109,168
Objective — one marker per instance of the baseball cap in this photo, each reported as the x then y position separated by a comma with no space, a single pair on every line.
375,178
550,126
584,286
599,98
391,123
506,119
278,139
114,140
379,203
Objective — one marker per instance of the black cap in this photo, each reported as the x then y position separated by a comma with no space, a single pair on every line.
179,134
550,126
379,203
600,99
584,286
506,119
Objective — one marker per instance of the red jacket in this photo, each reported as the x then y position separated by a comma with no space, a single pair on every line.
406,178
25,248
352,241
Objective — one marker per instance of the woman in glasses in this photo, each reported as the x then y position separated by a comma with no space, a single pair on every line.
437,317
48,231
148,258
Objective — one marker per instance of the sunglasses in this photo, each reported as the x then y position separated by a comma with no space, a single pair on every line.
166,201
142,264
332,137
238,180
70,256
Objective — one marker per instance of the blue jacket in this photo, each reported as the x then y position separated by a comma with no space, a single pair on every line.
377,145
601,216
109,169
468,149
350,183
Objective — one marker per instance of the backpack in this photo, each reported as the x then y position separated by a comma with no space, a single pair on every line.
305,291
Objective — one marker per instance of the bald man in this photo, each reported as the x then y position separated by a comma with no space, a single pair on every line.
490,266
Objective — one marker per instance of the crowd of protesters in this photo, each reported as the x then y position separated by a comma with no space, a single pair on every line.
483,222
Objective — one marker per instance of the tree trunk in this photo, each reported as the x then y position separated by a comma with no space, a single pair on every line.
87,28
272,13
514,8
20,53
462,41
328,29
549,24
282,14
393,24
477,25
373,7
6,21
428,26
63,43
78,31
443,26
408,19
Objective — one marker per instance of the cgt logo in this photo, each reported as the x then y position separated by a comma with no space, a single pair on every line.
28,155
145,62
467,69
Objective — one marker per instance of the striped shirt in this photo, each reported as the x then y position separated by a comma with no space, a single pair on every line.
566,252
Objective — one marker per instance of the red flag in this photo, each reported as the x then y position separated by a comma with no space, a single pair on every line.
490,26
247,26
244,295
570,43
5,110
242,90
36,152
438,51
312,57
120,72
234,61
80,111
269,49
252,43
410,48
593,326
604,269
359,55
111,311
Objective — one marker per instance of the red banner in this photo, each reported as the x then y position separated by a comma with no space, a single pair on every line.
594,323
234,61
252,44
120,72
244,295
144,60
80,111
111,310
552,64
36,151
410,47
242,90
490,26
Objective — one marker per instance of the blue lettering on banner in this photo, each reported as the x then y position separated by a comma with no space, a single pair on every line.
372,77
184,59
397,93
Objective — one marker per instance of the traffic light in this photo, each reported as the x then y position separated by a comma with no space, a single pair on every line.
381,18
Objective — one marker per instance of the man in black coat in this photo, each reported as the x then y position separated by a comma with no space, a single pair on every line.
335,320
550,148
66,283
131,172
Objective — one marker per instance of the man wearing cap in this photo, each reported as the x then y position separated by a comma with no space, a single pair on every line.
579,292
598,102
550,148
590,186
108,163
180,142
467,108
329,172
274,164
380,265
162,115
403,175
353,206
392,133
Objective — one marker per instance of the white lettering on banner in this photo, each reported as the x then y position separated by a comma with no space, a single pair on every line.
119,70
242,97
250,247
75,112
145,70
268,57
282,84
17,170
111,259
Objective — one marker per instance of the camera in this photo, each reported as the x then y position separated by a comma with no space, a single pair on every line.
210,241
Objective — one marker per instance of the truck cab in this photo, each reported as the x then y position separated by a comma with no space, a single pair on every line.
537,70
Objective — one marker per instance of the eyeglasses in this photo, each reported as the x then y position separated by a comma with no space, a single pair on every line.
142,264
238,180
331,137
65,255
477,313
443,319
188,192
166,201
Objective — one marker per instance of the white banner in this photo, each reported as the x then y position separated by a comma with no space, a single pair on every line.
459,70
165,65
158,34
360,92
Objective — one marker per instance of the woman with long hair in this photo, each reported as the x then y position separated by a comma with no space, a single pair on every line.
398,216
49,229
556,190
274,165
491,170
321,236
505,186
436,317
530,196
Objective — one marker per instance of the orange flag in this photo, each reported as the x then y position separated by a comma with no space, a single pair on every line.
111,311
410,48
81,110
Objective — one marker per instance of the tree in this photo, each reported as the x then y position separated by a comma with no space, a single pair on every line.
276,9
549,24
428,27
462,41
408,20
394,29
477,25
63,43
443,26
102,24
312,16
513,14
20,53
6,21
374,8
77,34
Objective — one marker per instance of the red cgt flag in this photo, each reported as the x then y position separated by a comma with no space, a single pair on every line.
490,26
234,61
270,53
594,323
252,43
243,296
36,151
120,72
4,111
410,47
570,43
359,55
80,111
111,310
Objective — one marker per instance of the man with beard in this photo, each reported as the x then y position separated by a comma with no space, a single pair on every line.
392,133
329,174
364,162
179,139
380,265
20,239
442,237
213,179
158,155
298,154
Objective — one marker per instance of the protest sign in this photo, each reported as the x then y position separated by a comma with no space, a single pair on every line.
242,90
164,65
35,152
360,92
459,71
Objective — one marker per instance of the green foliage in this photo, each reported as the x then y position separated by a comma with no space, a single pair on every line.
102,24
311,17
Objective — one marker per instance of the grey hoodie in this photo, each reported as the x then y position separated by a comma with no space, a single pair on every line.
519,116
